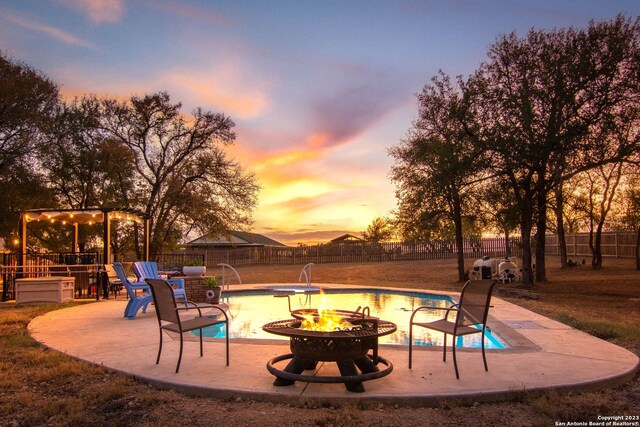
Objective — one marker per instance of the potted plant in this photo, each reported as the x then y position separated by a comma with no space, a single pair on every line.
213,289
194,268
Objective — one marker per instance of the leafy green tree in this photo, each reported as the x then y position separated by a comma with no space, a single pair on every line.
547,104
27,99
183,180
84,167
379,230
436,166
498,209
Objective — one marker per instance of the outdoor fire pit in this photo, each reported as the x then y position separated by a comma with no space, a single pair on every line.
344,339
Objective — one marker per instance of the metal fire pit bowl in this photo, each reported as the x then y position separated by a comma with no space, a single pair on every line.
348,348
332,346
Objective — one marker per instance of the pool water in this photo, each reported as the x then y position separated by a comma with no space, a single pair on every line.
249,310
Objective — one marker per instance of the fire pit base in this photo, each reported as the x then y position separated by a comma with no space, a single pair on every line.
348,370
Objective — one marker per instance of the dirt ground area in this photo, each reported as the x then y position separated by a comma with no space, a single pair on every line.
43,387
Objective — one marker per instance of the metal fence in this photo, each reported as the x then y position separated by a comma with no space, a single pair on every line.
83,266
356,252
614,244
175,260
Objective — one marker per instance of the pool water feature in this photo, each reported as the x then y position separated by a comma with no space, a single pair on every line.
249,310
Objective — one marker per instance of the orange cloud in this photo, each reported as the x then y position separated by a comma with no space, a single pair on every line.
98,11
282,160
318,140
224,87
287,190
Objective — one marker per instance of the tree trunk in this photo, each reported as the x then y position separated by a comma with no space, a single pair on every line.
596,250
541,230
507,245
457,220
525,231
562,241
136,242
115,247
638,249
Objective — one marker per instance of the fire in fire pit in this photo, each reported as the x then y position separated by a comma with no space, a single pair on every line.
326,321
342,336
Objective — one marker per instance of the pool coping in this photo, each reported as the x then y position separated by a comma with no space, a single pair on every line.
543,355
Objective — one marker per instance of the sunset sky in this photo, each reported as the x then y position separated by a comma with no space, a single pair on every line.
319,90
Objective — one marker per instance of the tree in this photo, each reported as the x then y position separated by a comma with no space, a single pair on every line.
546,104
631,211
27,98
379,230
84,167
499,209
602,190
436,166
183,178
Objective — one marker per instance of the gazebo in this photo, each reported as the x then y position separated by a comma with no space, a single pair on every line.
74,217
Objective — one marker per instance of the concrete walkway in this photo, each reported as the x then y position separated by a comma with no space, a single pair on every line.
543,355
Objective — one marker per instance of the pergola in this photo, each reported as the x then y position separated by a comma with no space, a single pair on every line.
74,217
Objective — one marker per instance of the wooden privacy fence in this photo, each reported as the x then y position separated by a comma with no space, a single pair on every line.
358,252
614,244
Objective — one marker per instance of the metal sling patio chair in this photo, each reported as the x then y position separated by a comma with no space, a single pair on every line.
169,319
470,318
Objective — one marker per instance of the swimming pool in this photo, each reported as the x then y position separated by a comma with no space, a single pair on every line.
249,310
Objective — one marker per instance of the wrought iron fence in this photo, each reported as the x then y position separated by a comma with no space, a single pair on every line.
83,266
173,261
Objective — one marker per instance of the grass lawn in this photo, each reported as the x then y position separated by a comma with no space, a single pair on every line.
44,387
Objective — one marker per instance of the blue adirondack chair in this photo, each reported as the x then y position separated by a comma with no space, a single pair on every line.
149,270
136,302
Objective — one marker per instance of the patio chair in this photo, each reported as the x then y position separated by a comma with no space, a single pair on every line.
507,272
168,312
470,318
149,270
136,302
114,284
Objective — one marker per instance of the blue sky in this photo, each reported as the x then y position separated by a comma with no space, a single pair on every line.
319,90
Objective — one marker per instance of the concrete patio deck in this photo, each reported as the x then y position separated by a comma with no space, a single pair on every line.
543,355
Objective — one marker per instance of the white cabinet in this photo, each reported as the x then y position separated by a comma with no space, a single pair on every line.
45,289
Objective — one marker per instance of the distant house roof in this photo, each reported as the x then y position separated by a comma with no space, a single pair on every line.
345,238
233,238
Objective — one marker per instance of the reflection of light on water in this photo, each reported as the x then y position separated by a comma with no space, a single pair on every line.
249,311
